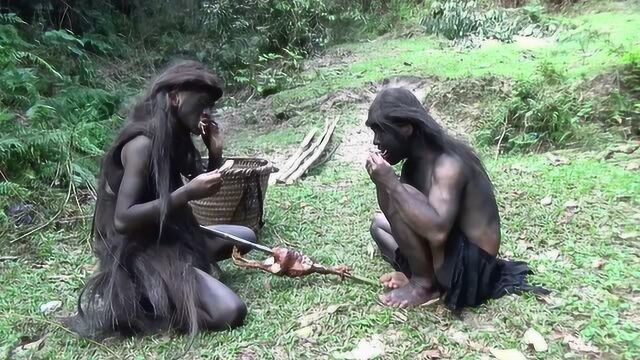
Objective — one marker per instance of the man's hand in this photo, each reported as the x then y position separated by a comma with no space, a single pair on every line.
380,170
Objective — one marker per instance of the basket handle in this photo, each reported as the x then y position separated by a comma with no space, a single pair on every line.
267,168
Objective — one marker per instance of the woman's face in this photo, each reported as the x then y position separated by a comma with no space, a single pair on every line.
192,107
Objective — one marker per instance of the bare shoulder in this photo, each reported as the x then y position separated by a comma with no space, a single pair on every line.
449,168
136,151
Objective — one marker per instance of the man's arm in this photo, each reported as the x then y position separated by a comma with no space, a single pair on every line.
129,215
431,216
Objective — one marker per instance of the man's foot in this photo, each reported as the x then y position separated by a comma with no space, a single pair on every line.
394,280
409,295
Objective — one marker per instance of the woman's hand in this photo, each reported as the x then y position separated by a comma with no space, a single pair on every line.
212,137
204,185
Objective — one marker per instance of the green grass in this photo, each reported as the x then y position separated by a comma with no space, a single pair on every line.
580,55
327,216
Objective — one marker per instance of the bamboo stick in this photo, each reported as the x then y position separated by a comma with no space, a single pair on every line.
304,155
316,154
303,146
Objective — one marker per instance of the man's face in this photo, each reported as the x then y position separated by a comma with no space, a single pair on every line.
193,107
393,147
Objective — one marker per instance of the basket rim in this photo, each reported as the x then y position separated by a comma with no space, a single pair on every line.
266,167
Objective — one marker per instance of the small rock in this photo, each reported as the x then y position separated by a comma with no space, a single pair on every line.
50,307
546,201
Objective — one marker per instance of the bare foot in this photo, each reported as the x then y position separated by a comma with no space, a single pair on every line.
409,295
394,280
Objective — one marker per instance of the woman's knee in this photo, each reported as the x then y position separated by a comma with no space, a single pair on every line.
232,313
246,234
242,232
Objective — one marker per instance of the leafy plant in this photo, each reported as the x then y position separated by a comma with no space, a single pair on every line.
541,111
460,19
52,129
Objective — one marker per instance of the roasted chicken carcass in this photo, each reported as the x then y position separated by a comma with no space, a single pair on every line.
290,263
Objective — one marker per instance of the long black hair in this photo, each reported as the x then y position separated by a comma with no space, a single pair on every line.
396,106
173,153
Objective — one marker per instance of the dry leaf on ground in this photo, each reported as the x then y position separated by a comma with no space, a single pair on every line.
628,235
305,332
430,354
247,354
371,251
632,166
546,201
556,160
477,346
365,350
316,315
551,255
571,205
532,337
458,337
28,346
400,317
598,263
577,344
508,354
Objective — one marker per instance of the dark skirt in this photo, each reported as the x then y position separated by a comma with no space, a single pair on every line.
469,276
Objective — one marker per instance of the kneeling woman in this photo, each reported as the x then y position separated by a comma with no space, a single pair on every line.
154,262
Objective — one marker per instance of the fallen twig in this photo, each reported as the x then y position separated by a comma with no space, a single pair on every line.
74,218
504,131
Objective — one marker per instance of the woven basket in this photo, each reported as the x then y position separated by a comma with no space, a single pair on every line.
240,199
